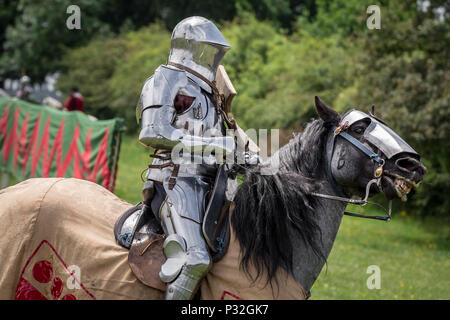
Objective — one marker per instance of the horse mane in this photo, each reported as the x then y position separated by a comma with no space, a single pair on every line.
266,206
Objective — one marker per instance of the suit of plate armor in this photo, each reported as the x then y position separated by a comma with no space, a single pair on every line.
177,107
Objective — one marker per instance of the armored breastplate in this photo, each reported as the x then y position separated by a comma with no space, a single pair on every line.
200,118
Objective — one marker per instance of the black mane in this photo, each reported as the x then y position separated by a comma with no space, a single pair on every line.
267,206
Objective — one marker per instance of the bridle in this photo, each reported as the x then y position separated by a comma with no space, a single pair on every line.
378,173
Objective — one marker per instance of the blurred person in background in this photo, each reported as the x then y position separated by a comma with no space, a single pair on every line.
24,91
75,101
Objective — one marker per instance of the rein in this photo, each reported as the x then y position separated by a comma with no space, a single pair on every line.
339,131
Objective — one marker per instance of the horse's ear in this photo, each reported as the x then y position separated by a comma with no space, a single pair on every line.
325,113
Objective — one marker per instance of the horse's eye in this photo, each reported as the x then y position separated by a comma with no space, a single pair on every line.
358,130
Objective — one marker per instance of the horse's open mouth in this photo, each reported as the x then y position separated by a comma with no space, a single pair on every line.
396,185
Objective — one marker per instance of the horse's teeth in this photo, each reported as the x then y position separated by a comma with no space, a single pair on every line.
402,186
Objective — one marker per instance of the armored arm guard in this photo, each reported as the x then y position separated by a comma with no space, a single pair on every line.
156,108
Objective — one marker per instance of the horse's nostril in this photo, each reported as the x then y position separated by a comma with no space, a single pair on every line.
406,164
410,165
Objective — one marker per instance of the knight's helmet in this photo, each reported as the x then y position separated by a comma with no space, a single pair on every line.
198,45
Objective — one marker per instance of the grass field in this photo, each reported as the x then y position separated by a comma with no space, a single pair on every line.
413,255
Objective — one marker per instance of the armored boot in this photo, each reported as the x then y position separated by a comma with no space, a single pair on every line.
194,264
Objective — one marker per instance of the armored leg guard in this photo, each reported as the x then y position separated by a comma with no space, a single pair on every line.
188,258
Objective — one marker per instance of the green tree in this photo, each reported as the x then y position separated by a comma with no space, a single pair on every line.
39,36
35,35
405,73
277,75
8,13
145,50
110,73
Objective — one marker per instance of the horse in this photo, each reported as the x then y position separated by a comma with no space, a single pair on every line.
58,242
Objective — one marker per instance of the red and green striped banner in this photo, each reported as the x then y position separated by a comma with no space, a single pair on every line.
39,141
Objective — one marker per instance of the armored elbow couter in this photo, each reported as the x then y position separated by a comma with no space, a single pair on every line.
157,132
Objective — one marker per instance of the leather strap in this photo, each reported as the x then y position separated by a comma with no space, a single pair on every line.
372,155
157,156
173,176
161,166
218,101
338,131
337,189
195,73
213,210
383,218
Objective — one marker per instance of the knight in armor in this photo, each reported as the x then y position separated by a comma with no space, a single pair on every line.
178,104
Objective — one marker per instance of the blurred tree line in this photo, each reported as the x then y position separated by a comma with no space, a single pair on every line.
283,53
34,33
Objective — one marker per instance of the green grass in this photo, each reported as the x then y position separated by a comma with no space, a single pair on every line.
413,254
133,160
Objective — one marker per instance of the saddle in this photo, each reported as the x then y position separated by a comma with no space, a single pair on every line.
139,230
